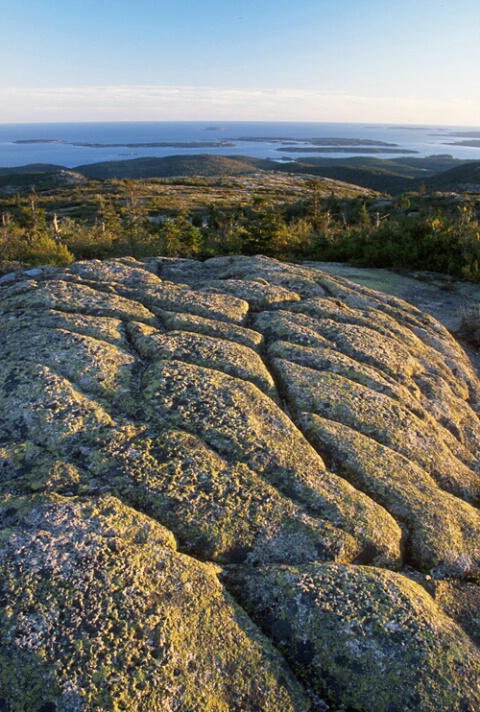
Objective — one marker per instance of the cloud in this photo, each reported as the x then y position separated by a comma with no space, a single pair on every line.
176,103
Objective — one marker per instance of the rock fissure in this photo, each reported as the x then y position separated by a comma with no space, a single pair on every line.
329,457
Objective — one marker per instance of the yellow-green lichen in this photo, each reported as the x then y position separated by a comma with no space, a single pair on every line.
99,613
203,350
219,511
377,416
369,639
234,418
443,531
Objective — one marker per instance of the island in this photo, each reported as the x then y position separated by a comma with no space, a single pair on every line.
150,144
472,143
316,141
342,149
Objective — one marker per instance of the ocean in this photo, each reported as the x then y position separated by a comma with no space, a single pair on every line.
75,144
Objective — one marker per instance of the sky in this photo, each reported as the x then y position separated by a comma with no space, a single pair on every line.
408,61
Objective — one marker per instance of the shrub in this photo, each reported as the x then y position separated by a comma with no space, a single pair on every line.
43,250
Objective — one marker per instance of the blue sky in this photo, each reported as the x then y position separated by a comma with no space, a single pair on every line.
414,61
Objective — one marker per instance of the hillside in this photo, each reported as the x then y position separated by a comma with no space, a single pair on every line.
375,174
233,485
32,168
394,176
52,178
172,166
463,177
384,175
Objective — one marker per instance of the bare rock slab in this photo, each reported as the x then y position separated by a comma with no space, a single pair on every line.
236,485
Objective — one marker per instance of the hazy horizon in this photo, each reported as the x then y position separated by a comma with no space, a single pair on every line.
392,124
345,62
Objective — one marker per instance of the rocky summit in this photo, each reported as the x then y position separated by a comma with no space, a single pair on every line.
236,485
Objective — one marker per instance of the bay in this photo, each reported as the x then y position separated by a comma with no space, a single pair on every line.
59,143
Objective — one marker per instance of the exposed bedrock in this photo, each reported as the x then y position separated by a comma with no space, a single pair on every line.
233,485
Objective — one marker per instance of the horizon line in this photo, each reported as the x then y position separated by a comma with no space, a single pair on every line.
242,121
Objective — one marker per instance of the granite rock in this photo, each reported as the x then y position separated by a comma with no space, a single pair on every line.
233,485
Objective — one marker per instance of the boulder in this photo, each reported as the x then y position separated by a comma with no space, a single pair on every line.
233,485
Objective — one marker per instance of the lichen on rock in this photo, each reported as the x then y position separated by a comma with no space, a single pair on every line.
99,612
370,639
181,437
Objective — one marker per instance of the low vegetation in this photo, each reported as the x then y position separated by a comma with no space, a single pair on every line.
290,217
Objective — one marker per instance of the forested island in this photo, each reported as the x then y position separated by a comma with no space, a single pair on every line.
343,149
334,141
150,144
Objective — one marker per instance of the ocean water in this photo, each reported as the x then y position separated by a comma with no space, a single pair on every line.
55,140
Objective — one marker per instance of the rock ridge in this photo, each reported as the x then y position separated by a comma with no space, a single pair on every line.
233,485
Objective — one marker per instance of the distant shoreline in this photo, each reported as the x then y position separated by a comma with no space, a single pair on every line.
343,149
154,144
329,141
473,143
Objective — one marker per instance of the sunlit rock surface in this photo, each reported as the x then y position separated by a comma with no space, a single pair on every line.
233,485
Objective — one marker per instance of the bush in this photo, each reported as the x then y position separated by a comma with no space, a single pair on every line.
43,250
